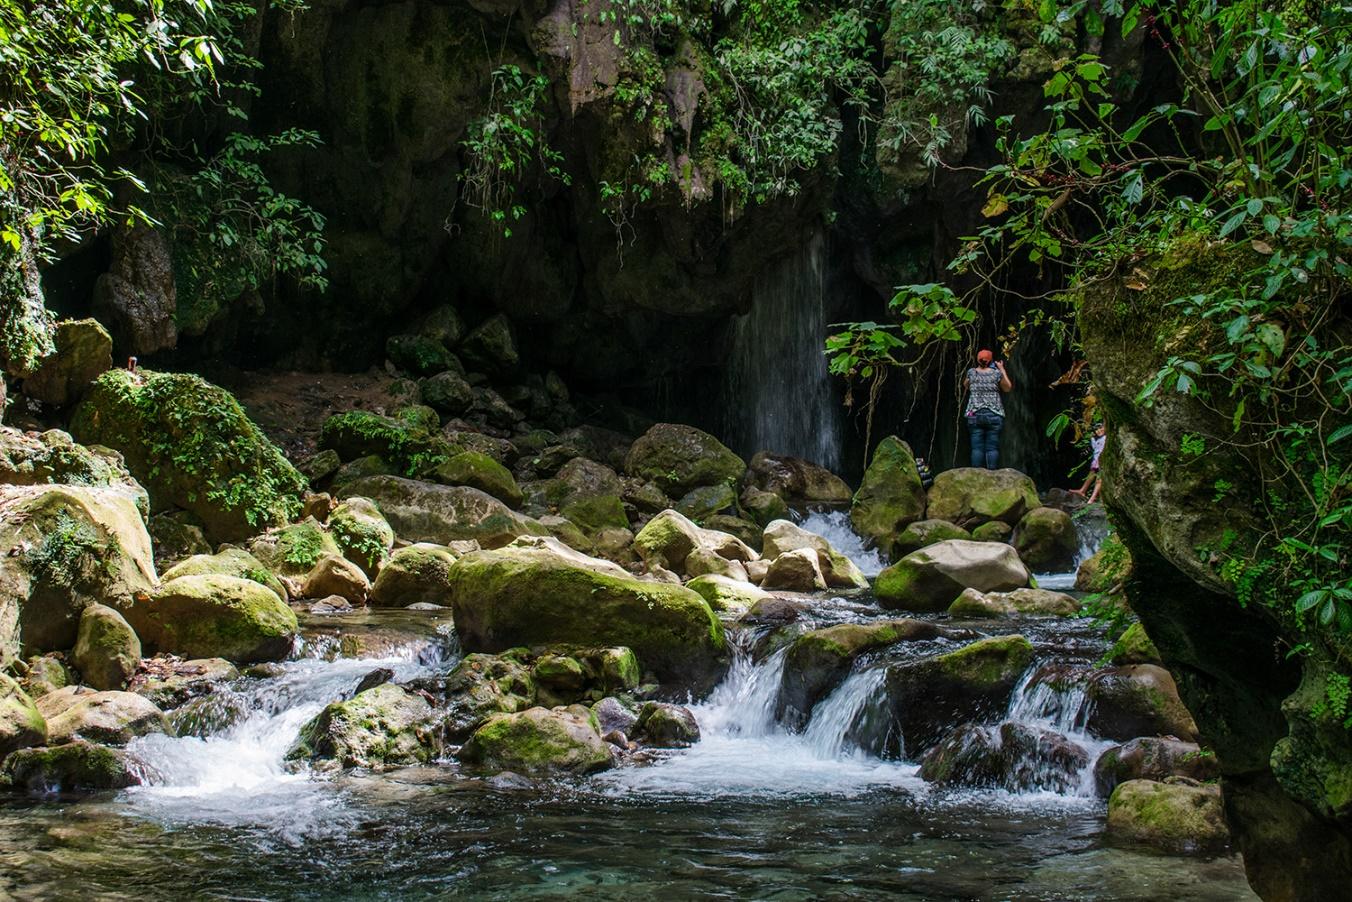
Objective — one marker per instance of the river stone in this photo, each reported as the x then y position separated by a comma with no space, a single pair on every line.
969,496
169,683
796,480
420,355
817,661
994,531
416,574
615,543
1153,758
796,571
192,446
1134,647
922,533
111,718
491,347
447,393
763,507
890,495
1046,540
838,570
69,547
612,714
84,351
704,502
72,767
595,513
1036,602
539,741
293,550
336,575
362,532
583,478
680,458
667,540
543,592
234,562
725,594
1172,817
214,616
384,726
749,532
643,495
970,683
1017,757
481,472
1138,700
702,562
568,532
932,578
21,723
483,685
666,726
106,649
441,514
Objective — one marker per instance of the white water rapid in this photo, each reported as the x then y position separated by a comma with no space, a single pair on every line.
834,526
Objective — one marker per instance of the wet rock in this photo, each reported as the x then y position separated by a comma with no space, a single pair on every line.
378,677
932,578
994,531
539,741
1172,817
384,726
415,574
70,767
969,756
483,685
491,347
795,571
764,507
680,458
612,715
1014,756
970,496
362,533
234,562
21,723
890,495
539,593
1046,540
335,575
666,726
667,540
596,513
1153,758
1138,700
293,550
481,472
967,684
441,514
1134,647
727,595
84,351
704,502
1106,569
1034,602
111,718
796,480
839,571
214,616
106,648
923,533
168,682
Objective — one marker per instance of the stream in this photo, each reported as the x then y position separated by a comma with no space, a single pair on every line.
752,810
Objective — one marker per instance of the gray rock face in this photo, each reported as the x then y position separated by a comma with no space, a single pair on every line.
137,296
427,512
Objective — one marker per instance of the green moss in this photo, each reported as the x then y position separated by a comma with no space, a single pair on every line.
1134,647
987,663
412,451
482,472
228,562
362,533
596,513
210,616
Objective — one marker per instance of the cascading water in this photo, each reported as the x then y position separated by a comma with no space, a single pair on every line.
778,394
834,526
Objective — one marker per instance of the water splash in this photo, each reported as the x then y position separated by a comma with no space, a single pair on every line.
834,526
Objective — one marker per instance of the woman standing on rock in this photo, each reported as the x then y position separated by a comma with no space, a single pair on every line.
985,411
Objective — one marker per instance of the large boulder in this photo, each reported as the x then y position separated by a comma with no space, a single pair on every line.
543,592
483,685
362,532
481,472
228,562
111,718
1017,757
447,393
192,446
1034,602
969,496
72,767
1153,758
725,594
1176,817
680,458
107,649
417,574
441,514
971,683
668,539
54,457
539,741
1046,540
1133,647
214,616
1138,700
839,571
336,575
67,547
890,496
796,480
384,726
666,726
137,297
293,550
923,533
21,723
491,347
405,447
932,578
84,351
795,571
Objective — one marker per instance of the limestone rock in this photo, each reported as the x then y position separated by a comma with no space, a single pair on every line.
84,351
362,532
174,536
1171,817
539,741
970,496
797,571
111,718
890,496
293,550
384,726
72,767
1046,540
416,574
763,507
726,595
1153,758
335,575
214,616
441,514
797,480
667,540
137,296
994,531
923,533
838,570
680,458
704,502
666,726
21,723
106,648
228,562
481,472
1036,602
1138,700
932,578
54,457
447,393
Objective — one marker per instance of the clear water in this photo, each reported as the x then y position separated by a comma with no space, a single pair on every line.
750,811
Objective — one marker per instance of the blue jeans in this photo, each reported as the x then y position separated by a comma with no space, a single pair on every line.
984,429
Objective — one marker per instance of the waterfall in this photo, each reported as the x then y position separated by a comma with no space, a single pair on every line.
778,394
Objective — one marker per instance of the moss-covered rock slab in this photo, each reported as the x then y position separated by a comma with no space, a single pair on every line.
381,727
214,616
441,514
680,458
110,717
71,767
890,495
969,496
481,472
539,741
1177,818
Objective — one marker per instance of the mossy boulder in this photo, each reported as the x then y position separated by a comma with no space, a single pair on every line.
47,673
441,514
668,539
932,578
293,550
363,534
1106,569
481,472
107,649
84,351
1020,602
169,682
584,478
1179,818
969,496
335,575
421,355
447,393
175,535
545,593
70,547
320,466
1134,647
21,723
704,502
483,685
666,726
890,495
1138,700
362,467
838,570
817,661
680,458
410,450
214,616
764,507
381,727
419,416
491,347
596,512
228,562
539,741
749,532
797,480
726,595
1014,756
994,531
1046,540
923,533
1153,758
417,574
110,717
969,684
71,767
192,446
53,457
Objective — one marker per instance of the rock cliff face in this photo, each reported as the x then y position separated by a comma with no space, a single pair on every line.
1285,768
